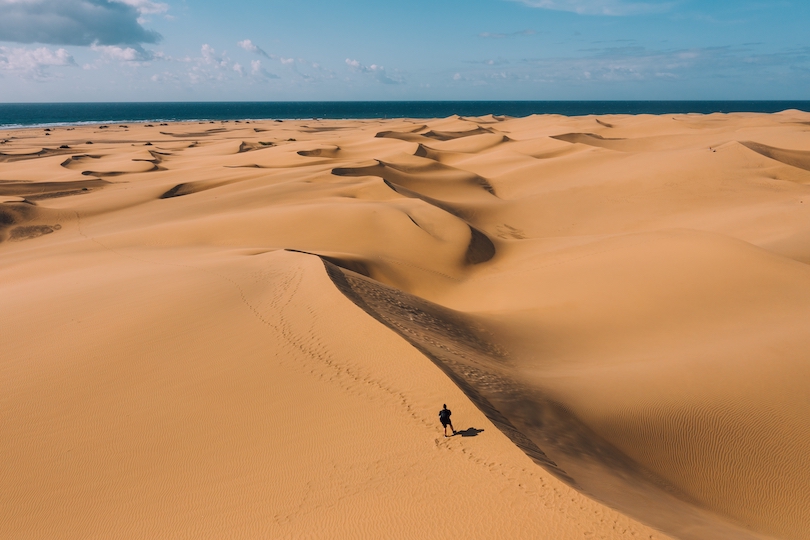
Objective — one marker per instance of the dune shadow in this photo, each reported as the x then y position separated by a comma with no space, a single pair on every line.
461,346
794,158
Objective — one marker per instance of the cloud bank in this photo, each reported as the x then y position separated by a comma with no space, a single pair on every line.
77,22
33,63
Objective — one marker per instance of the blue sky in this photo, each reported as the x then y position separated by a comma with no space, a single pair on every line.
204,50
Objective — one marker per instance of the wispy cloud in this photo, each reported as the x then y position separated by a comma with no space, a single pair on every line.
257,70
300,67
494,35
491,62
377,71
601,7
639,64
76,22
249,46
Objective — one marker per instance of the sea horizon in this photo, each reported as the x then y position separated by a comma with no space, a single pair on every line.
32,115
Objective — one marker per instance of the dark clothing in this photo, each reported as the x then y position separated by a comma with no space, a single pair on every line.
444,417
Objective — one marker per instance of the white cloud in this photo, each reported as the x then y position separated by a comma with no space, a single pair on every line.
249,46
257,70
601,7
357,66
210,56
213,66
378,72
301,67
119,54
33,63
209,66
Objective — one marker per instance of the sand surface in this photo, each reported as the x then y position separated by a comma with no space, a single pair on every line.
246,329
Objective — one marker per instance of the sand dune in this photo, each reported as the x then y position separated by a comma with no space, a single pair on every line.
235,330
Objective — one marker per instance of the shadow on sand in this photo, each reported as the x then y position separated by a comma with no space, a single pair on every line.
462,347
469,432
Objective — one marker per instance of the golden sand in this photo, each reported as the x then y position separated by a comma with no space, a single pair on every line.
246,329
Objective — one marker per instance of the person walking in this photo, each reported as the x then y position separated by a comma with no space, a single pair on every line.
444,418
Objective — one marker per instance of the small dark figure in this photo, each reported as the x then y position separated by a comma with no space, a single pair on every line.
444,418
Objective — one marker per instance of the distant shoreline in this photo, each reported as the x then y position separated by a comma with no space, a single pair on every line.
36,115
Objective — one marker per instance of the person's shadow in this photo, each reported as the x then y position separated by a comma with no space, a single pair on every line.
469,432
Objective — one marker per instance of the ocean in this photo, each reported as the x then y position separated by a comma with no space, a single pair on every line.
16,115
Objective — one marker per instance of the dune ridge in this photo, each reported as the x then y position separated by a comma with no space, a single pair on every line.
247,329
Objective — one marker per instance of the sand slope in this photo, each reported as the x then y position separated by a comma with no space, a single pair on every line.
619,303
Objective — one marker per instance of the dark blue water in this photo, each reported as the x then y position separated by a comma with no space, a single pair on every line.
38,114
